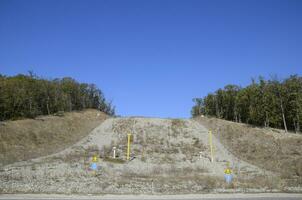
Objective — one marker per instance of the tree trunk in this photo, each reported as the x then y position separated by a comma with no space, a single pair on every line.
283,116
217,109
199,109
298,124
30,106
295,125
236,115
266,123
47,106
70,105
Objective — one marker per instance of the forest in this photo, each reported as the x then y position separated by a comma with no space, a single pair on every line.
27,96
268,103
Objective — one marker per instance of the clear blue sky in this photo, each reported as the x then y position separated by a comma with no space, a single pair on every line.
152,57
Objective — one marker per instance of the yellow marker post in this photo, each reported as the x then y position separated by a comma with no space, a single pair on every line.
211,146
94,158
128,148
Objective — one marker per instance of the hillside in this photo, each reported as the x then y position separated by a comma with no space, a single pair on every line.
169,156
268,148
32,138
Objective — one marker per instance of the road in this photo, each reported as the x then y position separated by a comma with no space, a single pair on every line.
266,196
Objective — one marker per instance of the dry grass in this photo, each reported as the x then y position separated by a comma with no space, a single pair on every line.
270,149
124,126
186,184
114,160
177,126
269,183
31,138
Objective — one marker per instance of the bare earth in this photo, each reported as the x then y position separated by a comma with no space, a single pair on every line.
169,156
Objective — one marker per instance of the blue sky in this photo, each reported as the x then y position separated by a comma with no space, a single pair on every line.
152,57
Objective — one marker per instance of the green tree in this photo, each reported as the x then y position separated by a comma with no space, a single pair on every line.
269,103
28,96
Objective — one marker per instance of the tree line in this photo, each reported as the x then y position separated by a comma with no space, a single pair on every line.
27,96
268,103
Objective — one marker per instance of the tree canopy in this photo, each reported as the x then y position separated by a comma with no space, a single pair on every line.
269,103
26,96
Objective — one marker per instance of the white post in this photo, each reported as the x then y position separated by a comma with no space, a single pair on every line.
114,149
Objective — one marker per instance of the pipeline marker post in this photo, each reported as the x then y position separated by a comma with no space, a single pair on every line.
228,174
94,158
128,147
114,152
94,164
143,152
211,146
200,155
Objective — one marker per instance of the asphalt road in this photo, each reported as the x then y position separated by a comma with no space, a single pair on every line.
266,196
254,198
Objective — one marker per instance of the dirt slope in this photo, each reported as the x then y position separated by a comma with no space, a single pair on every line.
31,138
165,160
